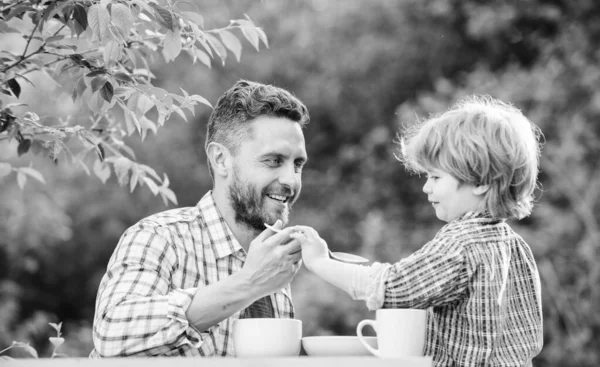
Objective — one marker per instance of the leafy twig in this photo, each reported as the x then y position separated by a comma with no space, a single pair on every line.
12,6
29,39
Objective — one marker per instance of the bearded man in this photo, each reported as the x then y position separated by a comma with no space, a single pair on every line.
178,279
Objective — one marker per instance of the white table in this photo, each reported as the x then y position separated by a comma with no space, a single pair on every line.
301,361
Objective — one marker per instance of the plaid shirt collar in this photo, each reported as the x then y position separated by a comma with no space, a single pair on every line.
222,239
475,216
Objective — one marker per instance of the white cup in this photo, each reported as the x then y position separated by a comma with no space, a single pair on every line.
267,337
400,332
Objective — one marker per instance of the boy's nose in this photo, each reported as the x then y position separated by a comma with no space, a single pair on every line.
426,188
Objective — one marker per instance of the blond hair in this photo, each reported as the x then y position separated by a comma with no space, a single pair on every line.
480,141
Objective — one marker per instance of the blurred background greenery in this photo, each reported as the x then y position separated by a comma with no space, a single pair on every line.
363,68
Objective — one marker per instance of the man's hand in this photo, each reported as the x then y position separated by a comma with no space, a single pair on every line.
272,261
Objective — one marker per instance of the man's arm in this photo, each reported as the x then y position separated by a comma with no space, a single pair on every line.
137,313
269,267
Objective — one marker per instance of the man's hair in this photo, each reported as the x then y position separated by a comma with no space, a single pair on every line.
480,141
245,101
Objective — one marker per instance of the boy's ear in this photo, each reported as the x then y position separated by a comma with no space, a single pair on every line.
219,157
480,189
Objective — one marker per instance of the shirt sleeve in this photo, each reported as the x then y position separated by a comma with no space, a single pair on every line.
429,277
137,312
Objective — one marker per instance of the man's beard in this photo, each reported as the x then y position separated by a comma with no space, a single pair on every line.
248,205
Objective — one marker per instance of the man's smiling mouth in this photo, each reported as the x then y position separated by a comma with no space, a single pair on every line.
280,198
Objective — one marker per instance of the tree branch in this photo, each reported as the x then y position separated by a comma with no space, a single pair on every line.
29,40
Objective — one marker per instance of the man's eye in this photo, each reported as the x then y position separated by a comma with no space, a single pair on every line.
298,166
273,161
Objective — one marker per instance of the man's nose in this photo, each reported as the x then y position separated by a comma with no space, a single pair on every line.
288,176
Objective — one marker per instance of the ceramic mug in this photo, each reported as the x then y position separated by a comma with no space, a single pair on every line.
400,332
263,337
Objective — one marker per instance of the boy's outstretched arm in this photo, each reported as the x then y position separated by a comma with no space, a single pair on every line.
350,278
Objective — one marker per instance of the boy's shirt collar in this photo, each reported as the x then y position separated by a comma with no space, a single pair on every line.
477,216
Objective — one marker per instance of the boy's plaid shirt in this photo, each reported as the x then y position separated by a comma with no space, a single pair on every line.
479,281
152,277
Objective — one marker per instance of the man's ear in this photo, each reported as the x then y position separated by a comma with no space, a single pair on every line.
481,189
219,157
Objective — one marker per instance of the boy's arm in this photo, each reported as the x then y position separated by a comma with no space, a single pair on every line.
351,278
428,277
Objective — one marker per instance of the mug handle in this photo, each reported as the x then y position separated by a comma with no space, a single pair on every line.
359,329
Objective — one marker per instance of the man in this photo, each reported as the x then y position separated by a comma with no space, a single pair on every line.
178,279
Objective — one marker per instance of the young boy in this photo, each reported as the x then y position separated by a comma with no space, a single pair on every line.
477,278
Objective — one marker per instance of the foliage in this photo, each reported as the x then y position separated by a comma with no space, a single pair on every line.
99,52
56,342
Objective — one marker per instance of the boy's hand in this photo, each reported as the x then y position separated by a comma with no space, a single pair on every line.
314,248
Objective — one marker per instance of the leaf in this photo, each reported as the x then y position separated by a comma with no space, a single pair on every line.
132,123
166,193
96,73
172,45
5,28
217,46
151,185
5,169
112,52
203,57
144,104
78,89
24,146
55,38
98,20
122,166
98,82
101,152
135,175
232,43
123,77
57,342
122,18
263,36
199,98
251,35
194,17
150,171
95,102
32,173
56,326
163,15
102,171
107,91
26,346
80,17
14,87
147,124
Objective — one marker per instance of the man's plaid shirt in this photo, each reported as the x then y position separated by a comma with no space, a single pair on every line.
152,277
479,282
